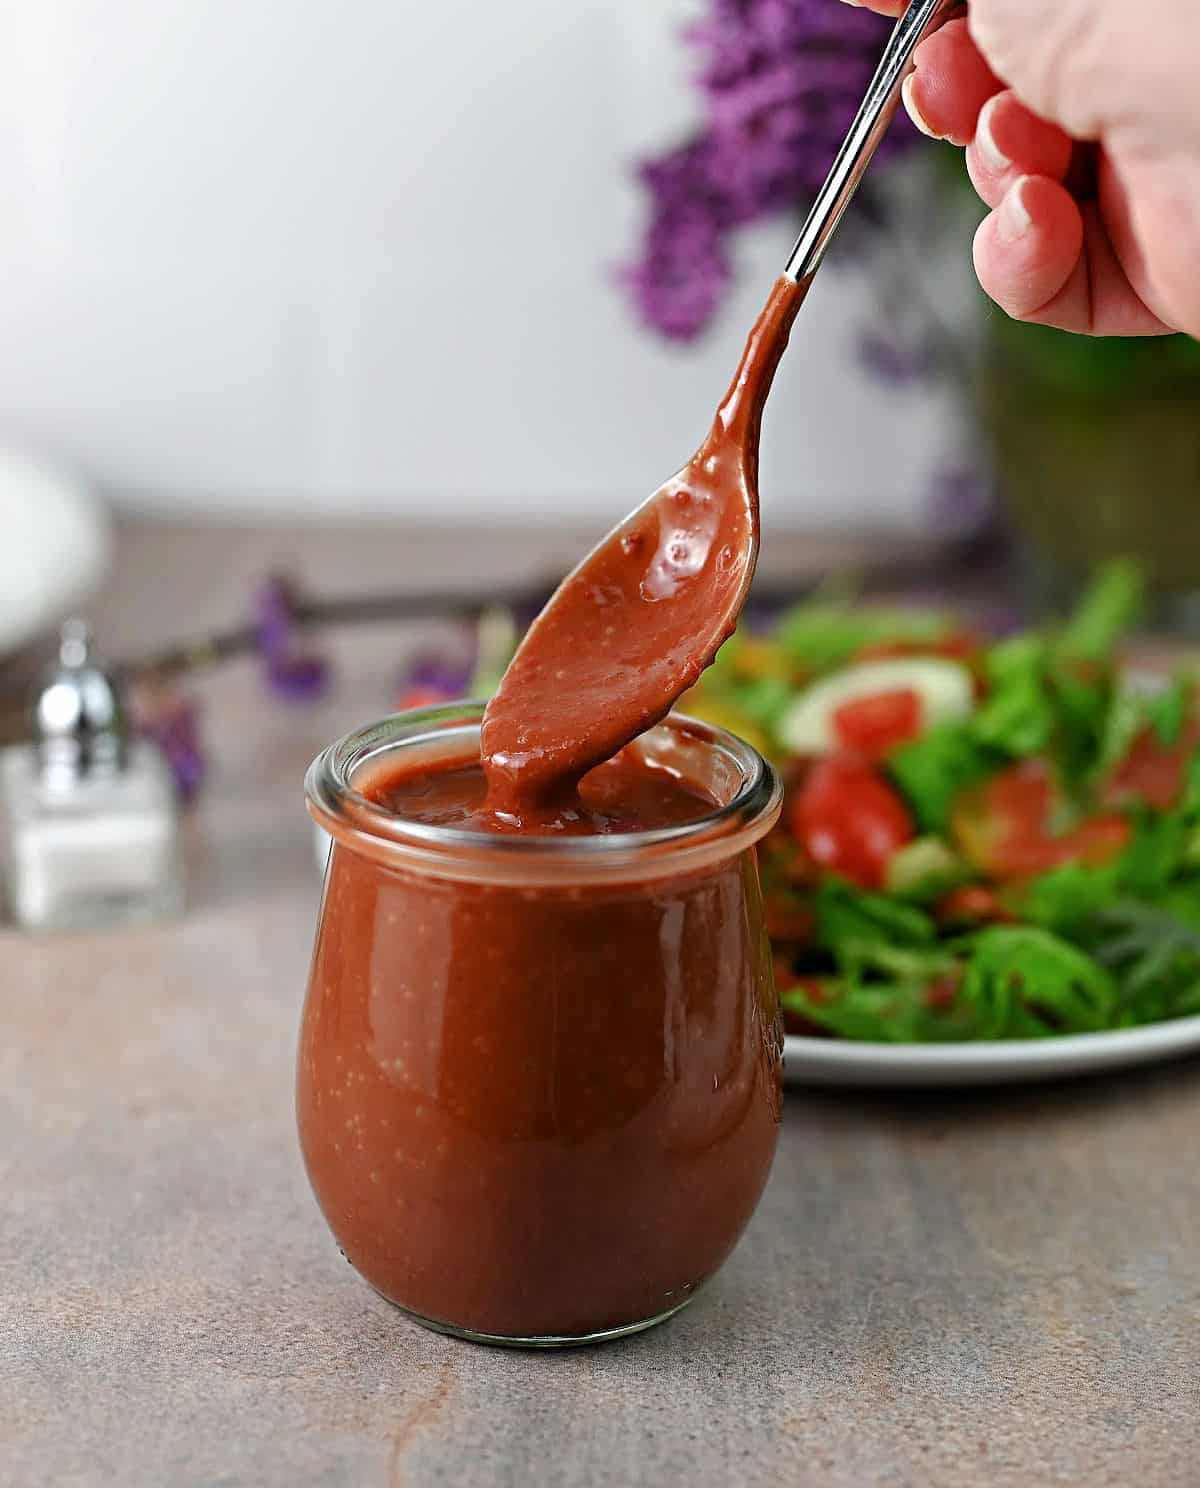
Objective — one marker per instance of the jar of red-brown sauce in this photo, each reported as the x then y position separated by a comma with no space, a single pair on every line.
539,1076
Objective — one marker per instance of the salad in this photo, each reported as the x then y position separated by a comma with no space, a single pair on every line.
979,840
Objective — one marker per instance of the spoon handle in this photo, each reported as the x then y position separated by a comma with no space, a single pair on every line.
870,124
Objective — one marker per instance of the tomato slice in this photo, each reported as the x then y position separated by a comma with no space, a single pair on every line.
942,992
1004,826
849,820
874,724
1096,841
971,904
1093,843
1023,796
1153,772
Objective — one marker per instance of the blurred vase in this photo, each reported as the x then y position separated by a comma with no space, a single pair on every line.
1097,446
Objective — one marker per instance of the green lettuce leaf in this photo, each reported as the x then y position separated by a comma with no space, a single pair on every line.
1104,614
931,771
1026,982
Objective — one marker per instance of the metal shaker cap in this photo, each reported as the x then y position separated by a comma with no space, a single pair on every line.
79,724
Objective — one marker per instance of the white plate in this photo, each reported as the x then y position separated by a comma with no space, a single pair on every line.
815,1061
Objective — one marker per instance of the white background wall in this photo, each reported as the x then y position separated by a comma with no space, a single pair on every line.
280,256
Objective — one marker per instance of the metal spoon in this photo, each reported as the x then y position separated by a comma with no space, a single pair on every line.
630,629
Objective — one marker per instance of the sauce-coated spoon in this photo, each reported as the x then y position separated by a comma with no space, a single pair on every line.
630,630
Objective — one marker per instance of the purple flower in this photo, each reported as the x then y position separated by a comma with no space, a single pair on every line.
290,671
1003,620
962,501
890,359
171,721
781,80
685,268
443,672
448,675
759,615
297,679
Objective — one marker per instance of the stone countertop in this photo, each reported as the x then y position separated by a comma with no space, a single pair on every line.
993,1288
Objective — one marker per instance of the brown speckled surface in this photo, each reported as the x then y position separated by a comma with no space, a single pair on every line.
997,1289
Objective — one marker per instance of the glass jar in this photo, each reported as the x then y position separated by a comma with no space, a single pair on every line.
539,1079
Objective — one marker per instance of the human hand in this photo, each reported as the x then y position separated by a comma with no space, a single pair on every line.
1082,127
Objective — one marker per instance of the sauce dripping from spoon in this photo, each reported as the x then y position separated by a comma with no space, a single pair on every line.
642,616
630,630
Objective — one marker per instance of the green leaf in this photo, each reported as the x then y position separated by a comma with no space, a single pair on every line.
1190,801
1168,710
884,1014
762,699
1064,897
886,999
1083,699
850,922
1126,716
1104,614
1020,657
1160,840
819,636
498,640
1025,982
1182,902
1018,716
1153,950
933,769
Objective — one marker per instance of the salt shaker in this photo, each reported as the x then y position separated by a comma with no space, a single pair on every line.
88,817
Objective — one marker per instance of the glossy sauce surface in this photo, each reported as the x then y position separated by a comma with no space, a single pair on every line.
622,795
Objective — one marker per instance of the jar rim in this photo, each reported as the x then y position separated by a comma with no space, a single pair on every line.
351,818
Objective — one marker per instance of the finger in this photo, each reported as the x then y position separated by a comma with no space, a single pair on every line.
1044,260
1167,280
1011,141
1027,249
950,83
880,7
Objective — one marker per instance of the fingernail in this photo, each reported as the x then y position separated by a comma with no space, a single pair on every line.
852,2
1012,215
914,113
985,141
